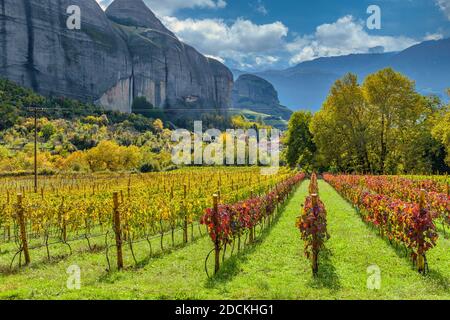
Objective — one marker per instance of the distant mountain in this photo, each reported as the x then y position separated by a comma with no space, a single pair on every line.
306,85
256,94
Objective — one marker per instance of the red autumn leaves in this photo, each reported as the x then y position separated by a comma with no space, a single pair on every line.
408,190
403,222
233,220
313,226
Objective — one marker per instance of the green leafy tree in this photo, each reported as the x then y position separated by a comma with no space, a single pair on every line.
8,115
141,105
47,131
382,126
299,141
394,109
441,130
341,128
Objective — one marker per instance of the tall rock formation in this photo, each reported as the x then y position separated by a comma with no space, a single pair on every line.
167,72
114,58
256,94
38,51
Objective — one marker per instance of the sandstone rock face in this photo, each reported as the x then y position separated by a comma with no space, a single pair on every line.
40,52
256,94
169,73
114,58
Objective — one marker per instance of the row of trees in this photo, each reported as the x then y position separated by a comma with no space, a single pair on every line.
380,126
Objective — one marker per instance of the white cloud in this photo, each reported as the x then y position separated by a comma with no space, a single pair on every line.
433,36
444,5
104,3
244,44
215,58
167,7
242,41
345,36
266,60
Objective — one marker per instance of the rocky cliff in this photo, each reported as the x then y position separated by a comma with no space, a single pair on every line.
167,72
256,94
114,58
37,50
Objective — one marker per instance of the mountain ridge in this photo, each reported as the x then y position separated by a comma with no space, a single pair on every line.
306,85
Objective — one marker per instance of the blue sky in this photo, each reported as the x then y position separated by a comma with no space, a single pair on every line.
273,34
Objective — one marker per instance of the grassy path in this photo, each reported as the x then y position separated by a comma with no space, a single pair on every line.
274,268
354,247
277,269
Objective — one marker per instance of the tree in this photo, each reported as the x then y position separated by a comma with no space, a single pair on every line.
395,109
341,127
129,158
8,115
158,125
383,126
75,162
441,131
103,157
47,131
108,155
141,105
299,141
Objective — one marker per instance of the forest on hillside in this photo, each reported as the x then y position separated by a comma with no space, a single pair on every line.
78,137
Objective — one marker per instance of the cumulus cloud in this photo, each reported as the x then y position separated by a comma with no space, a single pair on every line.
345,36
433,36
244,44
444,5
242,41
167,7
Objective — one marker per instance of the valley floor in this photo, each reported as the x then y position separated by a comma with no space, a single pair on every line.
273,268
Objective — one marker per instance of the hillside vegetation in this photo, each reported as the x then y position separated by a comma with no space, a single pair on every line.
74,136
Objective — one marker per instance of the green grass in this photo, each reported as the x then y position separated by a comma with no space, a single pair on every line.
355,246
273,268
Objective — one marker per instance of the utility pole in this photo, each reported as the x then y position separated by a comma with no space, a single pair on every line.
35,150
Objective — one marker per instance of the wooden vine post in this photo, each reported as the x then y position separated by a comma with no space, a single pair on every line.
129,187
118,231
62,221
421,256
216,226
277,202
9,227
252,234
185,227
23,232
313,187
315,250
